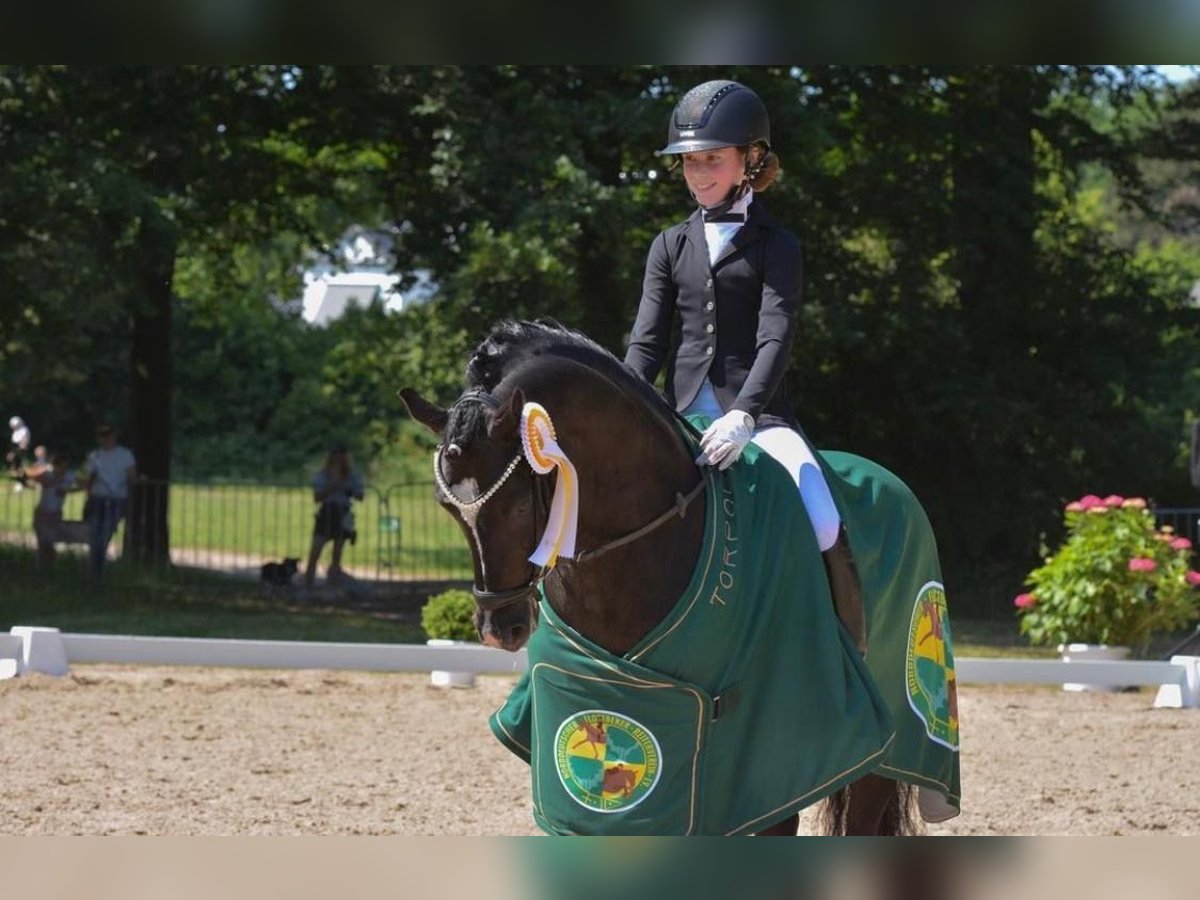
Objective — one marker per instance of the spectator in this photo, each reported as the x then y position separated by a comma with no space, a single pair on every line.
110,469
56,482
334,486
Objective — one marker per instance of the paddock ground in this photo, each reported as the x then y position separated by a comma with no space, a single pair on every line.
119,750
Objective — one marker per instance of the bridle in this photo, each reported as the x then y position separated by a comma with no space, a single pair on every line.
491,601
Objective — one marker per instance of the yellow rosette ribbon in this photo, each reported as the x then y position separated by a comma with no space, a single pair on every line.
543,454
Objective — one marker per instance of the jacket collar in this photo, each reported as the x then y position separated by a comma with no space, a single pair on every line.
758,220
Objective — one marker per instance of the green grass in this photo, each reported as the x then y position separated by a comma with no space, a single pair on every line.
175,603
401,531
266,522
187,603
1000,637
994,638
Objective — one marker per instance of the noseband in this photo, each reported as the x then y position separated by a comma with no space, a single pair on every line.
491,601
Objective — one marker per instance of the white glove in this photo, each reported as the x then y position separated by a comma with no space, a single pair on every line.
723,441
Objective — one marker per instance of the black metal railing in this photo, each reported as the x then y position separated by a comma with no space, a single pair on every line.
236,527
1184,520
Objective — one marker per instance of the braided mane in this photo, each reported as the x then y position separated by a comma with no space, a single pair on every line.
515,342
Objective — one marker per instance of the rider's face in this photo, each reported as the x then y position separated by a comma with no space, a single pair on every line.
711,174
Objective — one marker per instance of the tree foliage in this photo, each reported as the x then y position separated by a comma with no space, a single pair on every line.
997,258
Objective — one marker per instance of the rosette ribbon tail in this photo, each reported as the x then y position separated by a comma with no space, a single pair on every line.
544,454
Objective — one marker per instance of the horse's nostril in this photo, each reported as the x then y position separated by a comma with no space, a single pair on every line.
516,634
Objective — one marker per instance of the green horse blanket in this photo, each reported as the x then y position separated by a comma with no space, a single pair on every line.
749,700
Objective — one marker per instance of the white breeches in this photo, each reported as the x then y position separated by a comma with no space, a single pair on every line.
791,451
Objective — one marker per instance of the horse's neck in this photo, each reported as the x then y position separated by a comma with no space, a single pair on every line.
632,465
616,599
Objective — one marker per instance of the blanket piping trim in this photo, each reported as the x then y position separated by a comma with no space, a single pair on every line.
923,781
508,738
585,651
803,800
714,522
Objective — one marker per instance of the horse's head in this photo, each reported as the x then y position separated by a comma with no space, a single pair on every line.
614,461
484,482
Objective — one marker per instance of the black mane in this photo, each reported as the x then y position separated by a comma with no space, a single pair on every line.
514,342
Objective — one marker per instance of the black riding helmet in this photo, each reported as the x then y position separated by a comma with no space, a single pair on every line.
717,114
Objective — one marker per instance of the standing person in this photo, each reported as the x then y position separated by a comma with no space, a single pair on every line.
730,275
56,481
110,470
334,486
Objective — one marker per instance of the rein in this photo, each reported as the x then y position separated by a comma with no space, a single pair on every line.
682,502
491,601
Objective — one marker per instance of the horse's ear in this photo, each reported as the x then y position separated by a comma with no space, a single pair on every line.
507,420
428,414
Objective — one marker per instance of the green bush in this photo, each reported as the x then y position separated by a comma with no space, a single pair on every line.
450,615
1115,579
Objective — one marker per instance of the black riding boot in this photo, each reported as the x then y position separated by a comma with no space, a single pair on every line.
847,590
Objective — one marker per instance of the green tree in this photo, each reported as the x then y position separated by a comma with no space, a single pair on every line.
129,165
997,258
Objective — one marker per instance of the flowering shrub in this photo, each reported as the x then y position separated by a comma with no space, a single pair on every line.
450,615
1115,579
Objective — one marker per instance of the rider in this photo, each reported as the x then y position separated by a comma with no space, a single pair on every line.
732,274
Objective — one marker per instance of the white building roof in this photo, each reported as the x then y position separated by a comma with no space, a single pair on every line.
362,275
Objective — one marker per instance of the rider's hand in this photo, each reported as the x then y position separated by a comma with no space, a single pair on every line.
723,441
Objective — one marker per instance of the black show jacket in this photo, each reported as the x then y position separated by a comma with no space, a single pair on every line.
737,317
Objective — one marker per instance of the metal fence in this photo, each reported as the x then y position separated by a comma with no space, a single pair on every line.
236,527
1185,521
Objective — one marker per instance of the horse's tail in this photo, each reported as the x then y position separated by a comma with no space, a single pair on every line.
901,817
898,816
831,816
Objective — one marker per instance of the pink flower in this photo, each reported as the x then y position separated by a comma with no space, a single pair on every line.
1141,564
1089,501
1024,601
1097,510
1134,503
1193,577
1112,500
1074,506
1181,543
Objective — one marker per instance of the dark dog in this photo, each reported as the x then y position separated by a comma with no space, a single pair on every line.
279,574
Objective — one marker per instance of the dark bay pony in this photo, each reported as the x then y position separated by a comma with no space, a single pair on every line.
641,517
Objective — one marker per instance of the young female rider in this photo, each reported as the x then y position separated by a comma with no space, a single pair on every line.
732,276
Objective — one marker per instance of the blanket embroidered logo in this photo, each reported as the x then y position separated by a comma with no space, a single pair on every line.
607,762
929,668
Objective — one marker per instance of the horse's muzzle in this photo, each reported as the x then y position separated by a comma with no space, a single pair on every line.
505,619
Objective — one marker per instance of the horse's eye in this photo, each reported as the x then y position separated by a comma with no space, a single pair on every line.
454,451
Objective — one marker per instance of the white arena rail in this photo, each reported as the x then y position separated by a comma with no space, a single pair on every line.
47,651
1178,681
1124,673
96,648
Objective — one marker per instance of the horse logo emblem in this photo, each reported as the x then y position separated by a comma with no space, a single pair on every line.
929,667
607,762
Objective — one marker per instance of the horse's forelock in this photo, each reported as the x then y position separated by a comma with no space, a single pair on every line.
485,368
467,424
